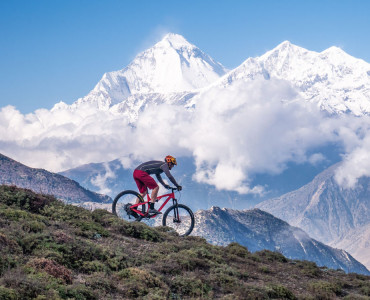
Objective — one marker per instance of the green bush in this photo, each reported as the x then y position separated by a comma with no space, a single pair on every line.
138,283
33,226
77,292
7,294
237,249
325,289
365,288
280,292
90,229
138,230
227,279
93,266
309,268
272,256
23,198
190,286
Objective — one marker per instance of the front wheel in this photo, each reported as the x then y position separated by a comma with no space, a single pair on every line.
180,218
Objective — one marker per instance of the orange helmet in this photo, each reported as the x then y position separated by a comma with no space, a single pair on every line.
170,159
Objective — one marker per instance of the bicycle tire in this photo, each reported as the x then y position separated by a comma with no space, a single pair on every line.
118,211
188,228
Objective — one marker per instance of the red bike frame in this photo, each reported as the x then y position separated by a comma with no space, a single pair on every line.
135,206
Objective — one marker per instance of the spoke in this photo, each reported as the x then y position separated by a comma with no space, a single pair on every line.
180,220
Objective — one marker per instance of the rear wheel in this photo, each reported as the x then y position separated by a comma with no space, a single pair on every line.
123,201
180,218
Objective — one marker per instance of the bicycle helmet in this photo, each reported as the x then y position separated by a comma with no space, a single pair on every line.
170,159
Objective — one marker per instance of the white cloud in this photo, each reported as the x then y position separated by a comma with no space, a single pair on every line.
356,162
100,180
232,133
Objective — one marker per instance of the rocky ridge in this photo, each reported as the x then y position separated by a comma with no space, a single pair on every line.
42,181
328,212
259,230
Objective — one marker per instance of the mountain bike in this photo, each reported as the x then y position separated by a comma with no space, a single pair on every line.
178,216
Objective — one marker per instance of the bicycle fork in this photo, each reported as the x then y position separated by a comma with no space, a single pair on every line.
176,215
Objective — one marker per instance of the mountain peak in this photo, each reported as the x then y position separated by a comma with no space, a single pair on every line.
175,40
173,65
337,53
288,46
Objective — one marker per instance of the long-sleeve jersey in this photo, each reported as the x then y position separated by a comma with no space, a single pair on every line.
156,167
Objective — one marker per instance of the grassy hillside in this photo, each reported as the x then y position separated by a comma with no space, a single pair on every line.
50,250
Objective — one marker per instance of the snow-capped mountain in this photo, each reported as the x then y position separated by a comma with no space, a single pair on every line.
329,213
336,81
170,69
258,230
174,71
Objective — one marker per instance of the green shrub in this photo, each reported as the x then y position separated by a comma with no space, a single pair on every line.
272,256
92,267
23,198
186,260
365,288
325,289
138,230
32,241
100,281
117,262
309,268
138,283
33,226
77,292
90,229
7,262
265,269
190,286
101,215
27,287
227,279
280,292
8,244
237,249
7,294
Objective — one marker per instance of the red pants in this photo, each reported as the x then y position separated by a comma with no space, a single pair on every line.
144,180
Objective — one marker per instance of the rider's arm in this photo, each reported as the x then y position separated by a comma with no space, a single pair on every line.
166,170
161,180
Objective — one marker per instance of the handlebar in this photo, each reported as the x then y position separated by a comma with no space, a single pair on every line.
173,188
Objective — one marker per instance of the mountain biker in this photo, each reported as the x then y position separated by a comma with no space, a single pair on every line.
144,181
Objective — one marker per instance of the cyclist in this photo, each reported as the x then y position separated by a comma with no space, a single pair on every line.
144,181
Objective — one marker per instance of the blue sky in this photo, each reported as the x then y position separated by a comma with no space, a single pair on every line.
53,51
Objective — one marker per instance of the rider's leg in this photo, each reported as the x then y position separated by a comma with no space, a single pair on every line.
142,196
154,194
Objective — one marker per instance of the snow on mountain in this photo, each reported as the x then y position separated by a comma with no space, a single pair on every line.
173,71
171,66
336,81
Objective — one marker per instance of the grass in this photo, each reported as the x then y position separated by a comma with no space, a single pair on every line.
50,250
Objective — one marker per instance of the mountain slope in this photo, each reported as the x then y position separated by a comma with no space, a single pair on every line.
39,180
329,212
259,230
49,250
